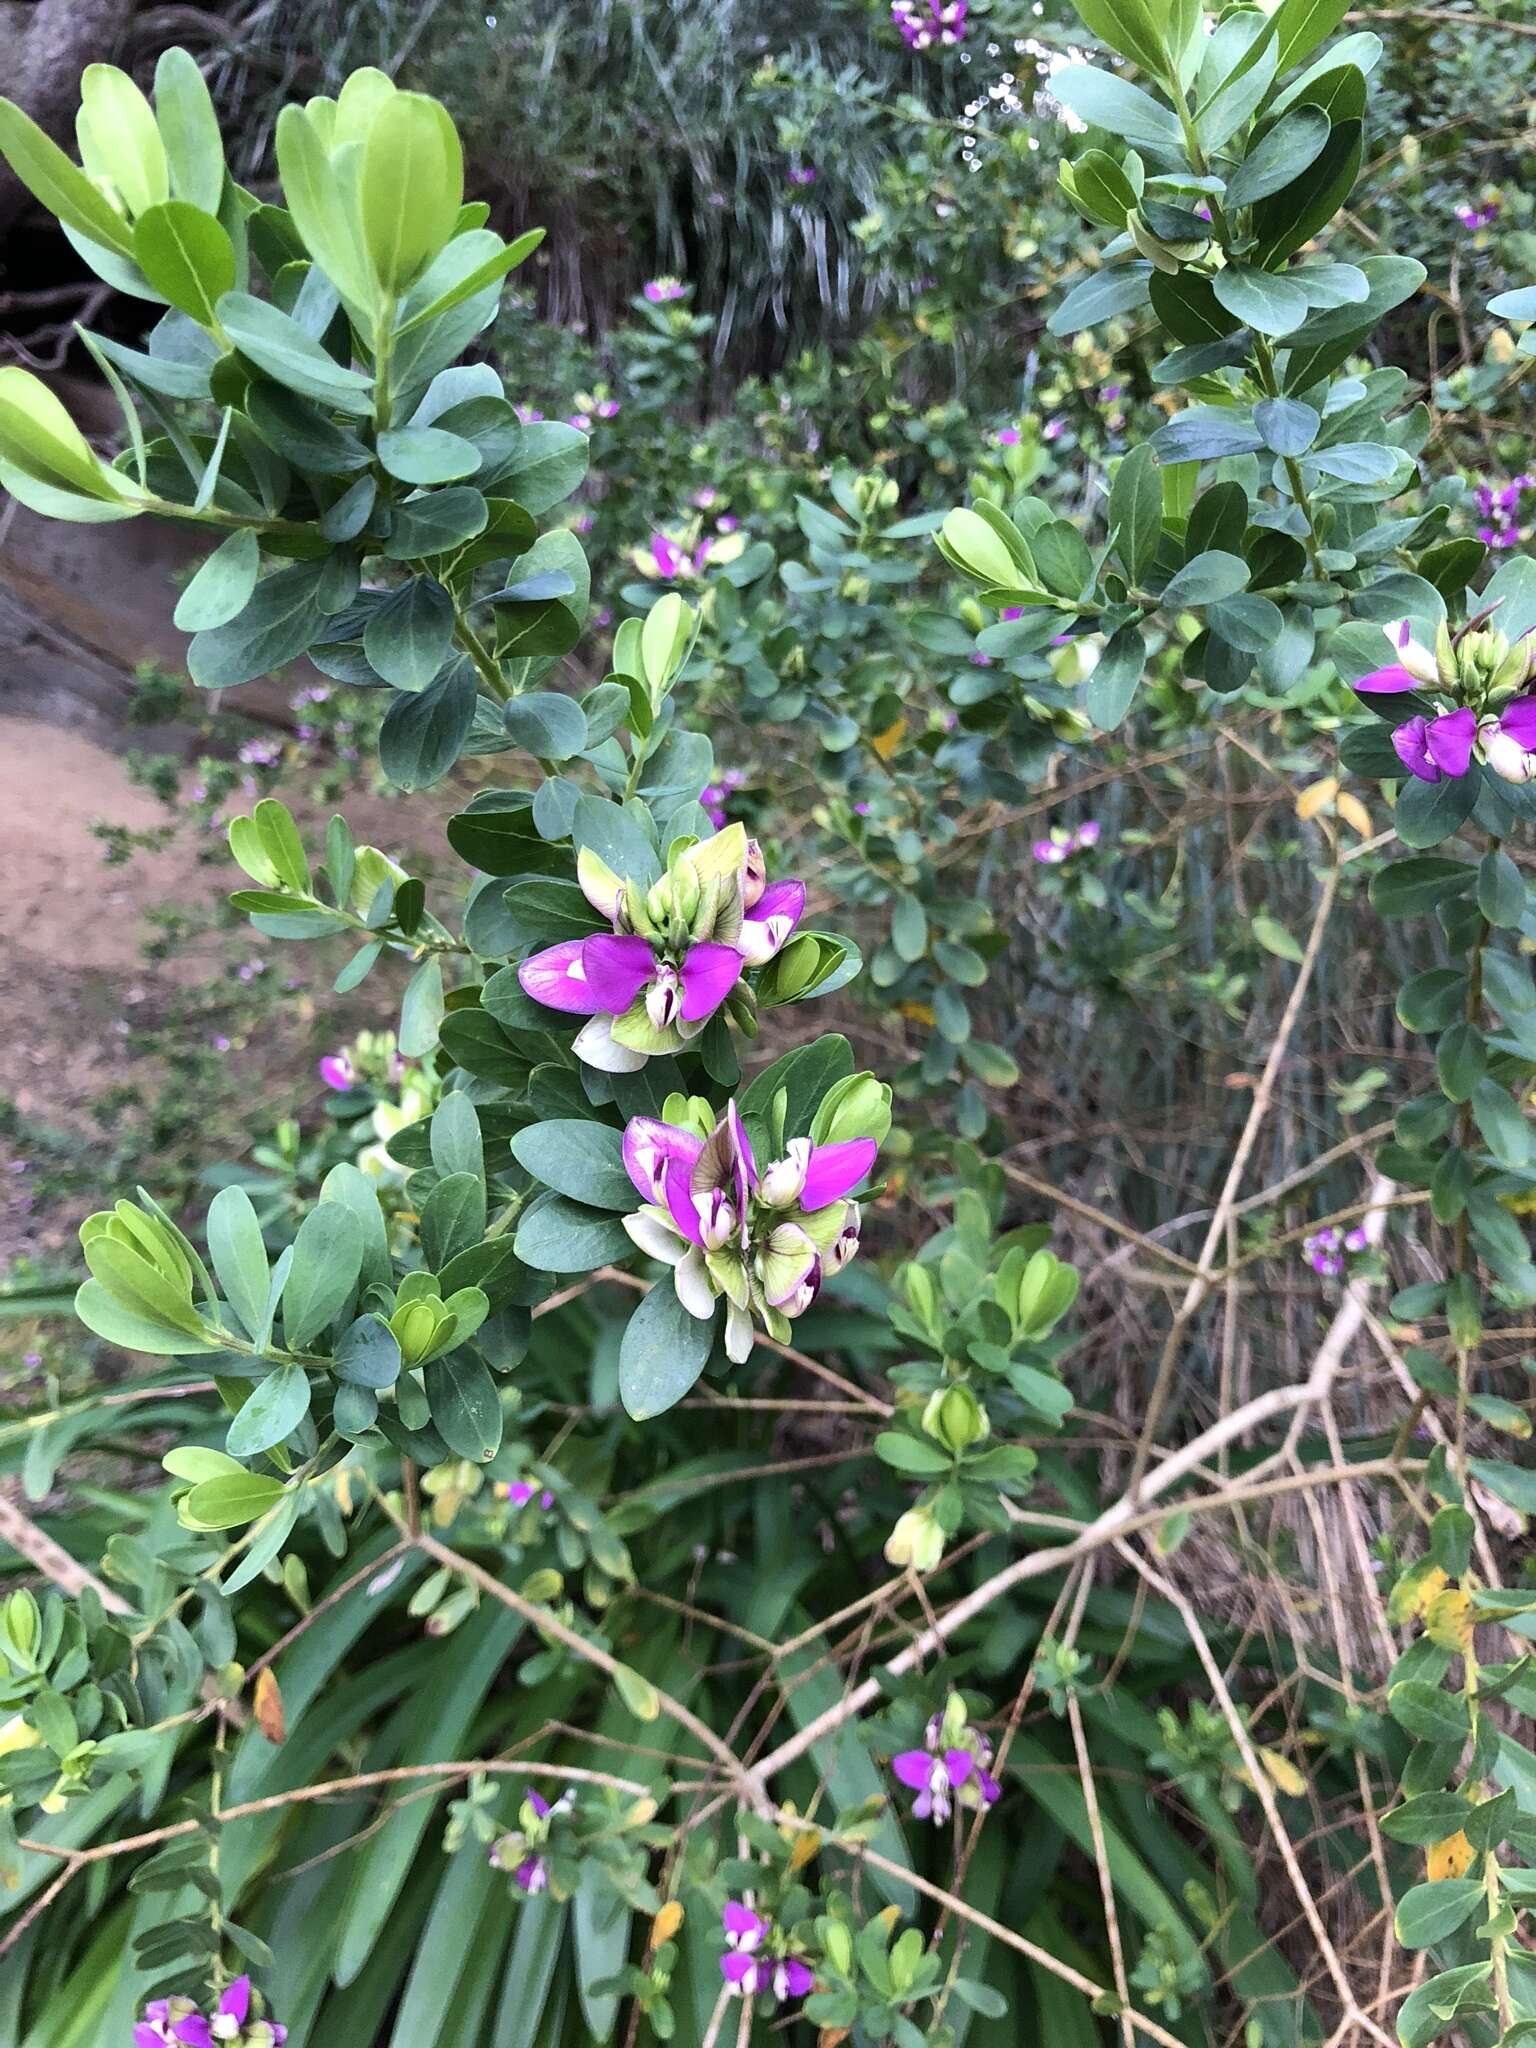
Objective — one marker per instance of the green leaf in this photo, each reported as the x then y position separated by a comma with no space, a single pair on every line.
491,271
662,1353
273,1410
546,725
1414,887
1503,1125
1116,677
276,343
410,187
1500,889
1428,1712
1267,304
466,1408
1105,100
452,1218
422,1010
1296,141
1129,26
1274,938
1513,1483
368,1355
427,455
916,1455
580,1159
1427,1913
435,524
187,256
424,732
1429,812
189,129
327,1253
222,587
1288,426
1300,25
239,1257
226,1503
409,637
558,1235
1117,288
280,622
1205,580
61,186
1136,513
132,1330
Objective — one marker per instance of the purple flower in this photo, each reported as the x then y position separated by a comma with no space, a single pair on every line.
922,23
1053,429
1508,740
1050,852
662,290
607,408
804,175
520,1492
1356,1240
948,1767
1087,834
1434,747
748,1968
337,1070
177,2023
1475,217
1008,437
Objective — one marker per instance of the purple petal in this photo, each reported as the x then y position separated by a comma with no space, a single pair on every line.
1411,743
540,1806
781,899
742,1924
1386,682
797,1978
1449,740
650,1146
617,968
912,1767
681,1205
1518,720
557,978
742,1142
991,1791
193,2032
735,1967
236,2002
148,2037
710,972
834,1169
958,1765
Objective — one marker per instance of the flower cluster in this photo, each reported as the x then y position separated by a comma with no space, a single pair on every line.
762,1241
1481,216
521,1853
922,23
520,1491
1063,841
180,2023
951,1767
1498,509
684,556
662,291
1480,671
757,1959
1325,1249
715,795
674,955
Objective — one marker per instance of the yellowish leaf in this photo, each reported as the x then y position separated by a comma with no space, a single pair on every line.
1354,813
1453,1857
916,1013
267,1703
1448,1620
1317,797
886,743
1283,1774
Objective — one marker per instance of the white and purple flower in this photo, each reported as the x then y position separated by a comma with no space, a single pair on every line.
755,1959
765,1242
922,23
662,291
1063,841
1481,665
521,1853
950,1768
179,2023
674,955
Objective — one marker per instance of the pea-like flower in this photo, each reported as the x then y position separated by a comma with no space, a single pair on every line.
675,954
178,2023
1476,669
951,1767
521,1853
756,1958
762,1242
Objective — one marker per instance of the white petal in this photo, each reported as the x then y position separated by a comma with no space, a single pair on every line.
695,1290
657,1236
738,1335
595,1044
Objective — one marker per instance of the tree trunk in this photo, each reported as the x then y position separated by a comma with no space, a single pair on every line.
61,38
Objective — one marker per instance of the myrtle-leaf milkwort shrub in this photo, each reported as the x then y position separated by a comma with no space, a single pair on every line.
377,504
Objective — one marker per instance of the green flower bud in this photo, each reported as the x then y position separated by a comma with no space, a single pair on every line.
956,1419
917,1540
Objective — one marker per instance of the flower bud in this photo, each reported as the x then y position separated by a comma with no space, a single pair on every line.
1419,661
664,997
754,875
717,1219
845,1245
917,1540
1504,755
956,1419
17,1734
781,1182
1446,670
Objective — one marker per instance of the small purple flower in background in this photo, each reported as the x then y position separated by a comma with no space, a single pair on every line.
219,1042
727,523
1053,429
528,415
337,1070
715,795
581,421
744,1966
1066,840
1475,217
1007,437
519,1853
261,753
1499,508
607,408
520,1491
661,291
922,23
953,1764
671,561
804,174
706,496
1324,1250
